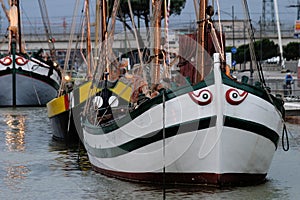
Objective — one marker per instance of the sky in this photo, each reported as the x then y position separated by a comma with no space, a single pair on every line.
59,9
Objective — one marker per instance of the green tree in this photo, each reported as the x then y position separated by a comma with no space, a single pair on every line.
264,49
243,54
141,11
292,51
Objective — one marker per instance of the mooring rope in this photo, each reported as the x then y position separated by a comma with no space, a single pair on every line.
285,135
37,96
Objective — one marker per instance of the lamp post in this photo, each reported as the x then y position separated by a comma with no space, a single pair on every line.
233,50
232,26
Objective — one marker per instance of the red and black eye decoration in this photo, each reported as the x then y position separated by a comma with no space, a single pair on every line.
234,97
6,61
202,97
21,61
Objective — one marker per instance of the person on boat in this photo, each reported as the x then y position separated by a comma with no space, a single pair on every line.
38,54
289,82
227,71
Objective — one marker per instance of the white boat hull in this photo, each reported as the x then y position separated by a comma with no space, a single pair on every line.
34,83
215,135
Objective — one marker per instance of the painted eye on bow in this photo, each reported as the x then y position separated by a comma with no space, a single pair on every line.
113,101
234,97
6,61
202,97
97,102
21,61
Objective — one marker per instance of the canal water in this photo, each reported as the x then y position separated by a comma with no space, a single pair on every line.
33,166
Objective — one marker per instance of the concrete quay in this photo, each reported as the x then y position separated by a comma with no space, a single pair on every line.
275,80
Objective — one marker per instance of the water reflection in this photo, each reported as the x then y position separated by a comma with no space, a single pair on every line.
69,157
15,175
14,142
15,132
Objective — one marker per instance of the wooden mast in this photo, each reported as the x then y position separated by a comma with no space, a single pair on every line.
97,32
98,13
157,38
14,37
19,26
201,38
88,40
104,36
104,16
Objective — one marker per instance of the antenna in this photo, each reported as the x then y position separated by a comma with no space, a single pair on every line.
298,8
268,16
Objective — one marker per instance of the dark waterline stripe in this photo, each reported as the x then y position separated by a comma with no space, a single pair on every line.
200,178
152,137
253,127
181,129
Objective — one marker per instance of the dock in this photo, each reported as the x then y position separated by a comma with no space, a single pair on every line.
292,108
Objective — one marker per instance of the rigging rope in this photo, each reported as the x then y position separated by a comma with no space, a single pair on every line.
164,141
67,58
221,31
111,55
216,43
136,37
251,40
